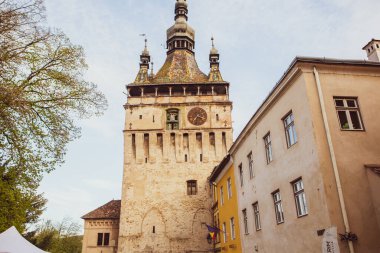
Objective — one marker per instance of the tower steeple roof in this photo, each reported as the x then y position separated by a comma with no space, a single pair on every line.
180,65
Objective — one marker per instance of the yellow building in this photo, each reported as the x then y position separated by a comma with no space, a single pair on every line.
225,207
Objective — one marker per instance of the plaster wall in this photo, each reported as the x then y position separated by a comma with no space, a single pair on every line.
90,237
353,149
300,160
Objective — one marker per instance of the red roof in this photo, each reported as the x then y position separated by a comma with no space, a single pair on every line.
111,210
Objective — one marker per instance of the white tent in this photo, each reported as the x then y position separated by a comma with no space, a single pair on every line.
12,242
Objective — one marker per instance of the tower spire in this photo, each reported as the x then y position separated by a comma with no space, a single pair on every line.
180,36
214,75
143,76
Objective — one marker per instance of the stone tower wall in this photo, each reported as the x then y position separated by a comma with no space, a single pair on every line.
157,213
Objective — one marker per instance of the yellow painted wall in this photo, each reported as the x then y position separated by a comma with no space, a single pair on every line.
228,210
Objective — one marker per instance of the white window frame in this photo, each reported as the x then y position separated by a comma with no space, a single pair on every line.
250,165
279,211
232,226
300,198
347,109
290,129
245,221
241,175
256,214
221,196
268,148
229,188
224,232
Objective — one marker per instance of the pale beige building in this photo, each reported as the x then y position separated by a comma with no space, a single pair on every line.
101,229
177,129
309,160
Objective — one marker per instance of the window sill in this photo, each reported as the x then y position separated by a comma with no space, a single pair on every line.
258,230
352,130
279,223
289,147
301,216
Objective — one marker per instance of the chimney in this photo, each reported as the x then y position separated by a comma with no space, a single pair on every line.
373,50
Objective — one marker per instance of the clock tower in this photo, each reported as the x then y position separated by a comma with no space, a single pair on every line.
177,129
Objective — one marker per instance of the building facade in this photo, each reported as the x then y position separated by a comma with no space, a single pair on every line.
101,229
307,163
177,129
225,207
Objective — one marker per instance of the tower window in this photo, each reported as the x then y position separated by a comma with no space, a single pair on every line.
192,187
217,117
377,45
172,119
140,116
154,229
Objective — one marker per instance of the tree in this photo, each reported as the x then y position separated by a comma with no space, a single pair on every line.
42,93
57,238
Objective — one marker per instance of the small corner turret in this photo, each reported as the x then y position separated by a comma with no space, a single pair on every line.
143,75
373,50
214,75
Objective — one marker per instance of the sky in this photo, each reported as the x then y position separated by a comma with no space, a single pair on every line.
256,39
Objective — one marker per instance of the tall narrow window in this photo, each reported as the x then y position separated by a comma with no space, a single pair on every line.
245,220
229,188
268,148
300,198
348,113
192,187
250,165
278,207
290,130
256,213
241,174
224,232
221,196
232,223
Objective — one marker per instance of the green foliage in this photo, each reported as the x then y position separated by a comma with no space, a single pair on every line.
42,93
57,238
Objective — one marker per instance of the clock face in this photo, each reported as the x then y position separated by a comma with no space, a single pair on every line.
197,116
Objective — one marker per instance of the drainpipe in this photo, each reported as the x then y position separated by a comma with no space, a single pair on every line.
333,159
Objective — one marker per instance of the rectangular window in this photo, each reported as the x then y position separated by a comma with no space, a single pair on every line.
250,165
348,113
245,219
256,213
103,239
192,187
241,174
224,232
221,196
300,198
232,223
268,148
290,130
278,207
229,188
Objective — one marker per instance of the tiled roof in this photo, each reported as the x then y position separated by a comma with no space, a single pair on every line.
180,67
111,210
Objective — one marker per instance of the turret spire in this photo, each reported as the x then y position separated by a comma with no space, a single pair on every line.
142,76
214,75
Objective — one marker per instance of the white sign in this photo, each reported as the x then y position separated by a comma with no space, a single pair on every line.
330,241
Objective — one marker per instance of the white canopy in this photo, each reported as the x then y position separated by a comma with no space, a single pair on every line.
12,242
